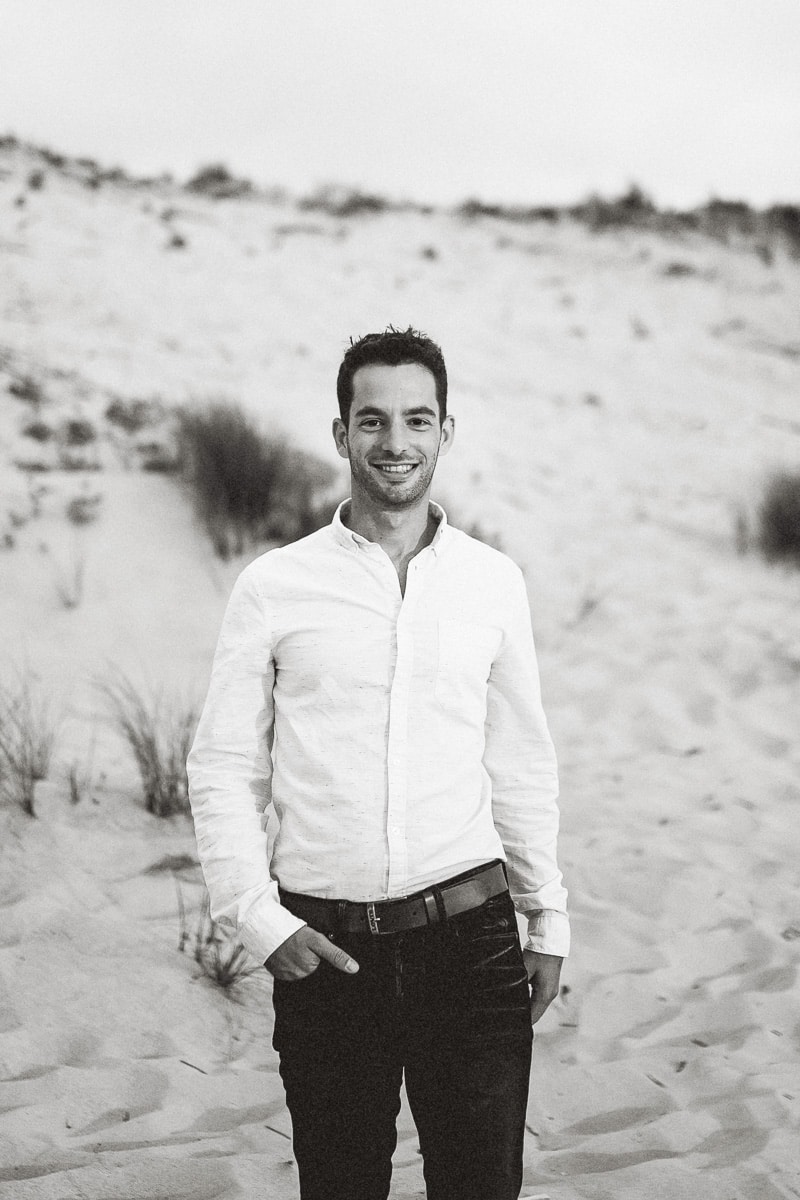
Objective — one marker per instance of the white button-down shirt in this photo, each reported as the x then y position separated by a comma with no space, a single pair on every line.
400,738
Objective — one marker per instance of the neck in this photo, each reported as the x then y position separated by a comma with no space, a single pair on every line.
402,534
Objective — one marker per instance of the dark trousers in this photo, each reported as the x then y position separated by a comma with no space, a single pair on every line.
446,1005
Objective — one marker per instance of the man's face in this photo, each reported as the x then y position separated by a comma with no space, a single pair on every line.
394,436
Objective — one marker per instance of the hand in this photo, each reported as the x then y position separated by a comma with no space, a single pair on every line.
544,972
301,953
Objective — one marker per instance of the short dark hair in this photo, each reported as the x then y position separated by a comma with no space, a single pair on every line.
392,348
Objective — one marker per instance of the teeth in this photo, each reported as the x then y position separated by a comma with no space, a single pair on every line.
399,469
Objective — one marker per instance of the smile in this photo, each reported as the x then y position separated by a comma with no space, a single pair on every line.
398,469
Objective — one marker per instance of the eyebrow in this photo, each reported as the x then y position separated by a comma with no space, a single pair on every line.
421,410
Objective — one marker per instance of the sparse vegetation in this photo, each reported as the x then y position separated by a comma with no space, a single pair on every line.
28,389
69,582
779,519
158,456
724,220
27,737
220,957
69,461
79,779
78,432
247,488
159,732
82,510
133,415
40,431
217,182
32,465
340,201
472,209
678,269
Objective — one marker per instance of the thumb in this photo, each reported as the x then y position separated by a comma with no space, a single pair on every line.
334,955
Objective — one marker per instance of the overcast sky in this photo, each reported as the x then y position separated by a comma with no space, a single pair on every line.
535,101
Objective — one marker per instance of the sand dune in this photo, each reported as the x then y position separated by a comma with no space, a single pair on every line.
613,415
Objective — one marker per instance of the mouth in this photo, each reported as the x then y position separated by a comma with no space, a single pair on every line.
395,470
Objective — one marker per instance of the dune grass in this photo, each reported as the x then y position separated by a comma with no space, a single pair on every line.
159,732
220,957
216,181
779,519
247,488
27,738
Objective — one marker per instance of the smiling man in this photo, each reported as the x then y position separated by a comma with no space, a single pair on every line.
377,683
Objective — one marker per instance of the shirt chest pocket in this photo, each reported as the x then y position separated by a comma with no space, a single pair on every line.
466,652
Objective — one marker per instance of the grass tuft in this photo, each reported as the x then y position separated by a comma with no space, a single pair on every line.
340,201
217,182
220,957
27,737
779,519
83,509
159,734
247,488
78,432
29,390
40,431
133,415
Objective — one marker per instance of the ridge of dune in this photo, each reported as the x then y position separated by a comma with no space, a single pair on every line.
615,417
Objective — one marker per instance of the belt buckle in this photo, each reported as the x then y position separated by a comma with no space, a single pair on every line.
373,919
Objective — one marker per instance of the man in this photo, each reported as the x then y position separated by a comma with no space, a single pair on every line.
377,683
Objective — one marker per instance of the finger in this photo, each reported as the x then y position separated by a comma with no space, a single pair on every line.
334,955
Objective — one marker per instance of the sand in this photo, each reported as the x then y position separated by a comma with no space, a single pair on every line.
615,423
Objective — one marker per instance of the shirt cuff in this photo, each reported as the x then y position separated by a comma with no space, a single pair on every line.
266,926
548,932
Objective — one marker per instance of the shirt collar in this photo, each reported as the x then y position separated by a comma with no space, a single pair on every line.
354,541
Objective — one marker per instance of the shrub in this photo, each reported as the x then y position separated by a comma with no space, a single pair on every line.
82,510
343,202
471,209
779,518
68,461
27,737
40,431
133,415
32,465
159,734
677,269
247,488
721,218
784,219
216,181
78,432
633,209
28,389
158,457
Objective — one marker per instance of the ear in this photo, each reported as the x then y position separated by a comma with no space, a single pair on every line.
339,431
447,434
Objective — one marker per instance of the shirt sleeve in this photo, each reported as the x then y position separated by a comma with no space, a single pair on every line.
230,772
520,760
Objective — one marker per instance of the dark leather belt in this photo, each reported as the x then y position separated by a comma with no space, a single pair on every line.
434,904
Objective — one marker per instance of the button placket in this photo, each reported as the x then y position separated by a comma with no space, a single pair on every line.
399,699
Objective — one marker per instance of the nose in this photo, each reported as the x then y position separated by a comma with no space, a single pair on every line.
395,439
